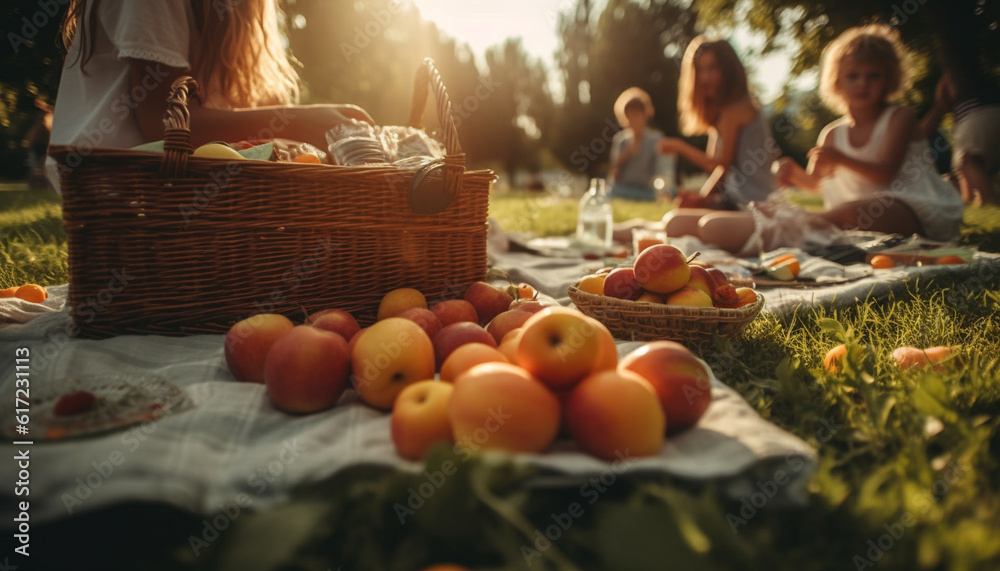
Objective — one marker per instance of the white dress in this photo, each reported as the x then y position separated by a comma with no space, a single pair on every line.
95,107
936,204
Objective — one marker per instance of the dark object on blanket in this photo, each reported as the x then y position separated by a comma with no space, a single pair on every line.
847,254
175,244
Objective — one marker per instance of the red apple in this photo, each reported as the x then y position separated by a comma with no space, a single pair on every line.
611,414
248,342
488,301
529,305
621,283
388,356
307,370
420,418
425,318
453,311
337,321
507,322
501,406
677,376
457,334
661,269
723,294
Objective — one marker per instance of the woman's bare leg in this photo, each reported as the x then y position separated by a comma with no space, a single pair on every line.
684,221
877,214
727,230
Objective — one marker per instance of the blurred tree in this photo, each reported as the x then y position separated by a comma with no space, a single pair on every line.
516,108
30,67
628,44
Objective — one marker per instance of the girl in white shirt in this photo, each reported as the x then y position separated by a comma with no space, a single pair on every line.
873,167
123,56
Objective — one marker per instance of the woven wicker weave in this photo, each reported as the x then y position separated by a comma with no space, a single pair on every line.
638,321
175,244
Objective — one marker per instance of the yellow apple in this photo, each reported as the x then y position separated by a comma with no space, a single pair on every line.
420,418
399,300
559,346
388,356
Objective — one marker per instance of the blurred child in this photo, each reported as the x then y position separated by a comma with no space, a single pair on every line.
873,166
123,57
633,149
714,98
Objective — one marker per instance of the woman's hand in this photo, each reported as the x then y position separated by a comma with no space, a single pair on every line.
669,145
784,170
824,160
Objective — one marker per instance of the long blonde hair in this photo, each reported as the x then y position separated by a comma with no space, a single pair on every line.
876,44
697,113
237,57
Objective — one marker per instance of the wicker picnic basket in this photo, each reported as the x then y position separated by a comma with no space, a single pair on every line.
639,321
174,244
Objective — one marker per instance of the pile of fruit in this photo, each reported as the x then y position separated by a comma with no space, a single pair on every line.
483,372
662,274
28,292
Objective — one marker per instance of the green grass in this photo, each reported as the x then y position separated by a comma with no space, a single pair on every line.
908,472
32,239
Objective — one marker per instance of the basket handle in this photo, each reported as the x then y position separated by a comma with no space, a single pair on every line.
454,160
177,127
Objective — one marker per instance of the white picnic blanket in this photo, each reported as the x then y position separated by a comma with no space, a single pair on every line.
233,443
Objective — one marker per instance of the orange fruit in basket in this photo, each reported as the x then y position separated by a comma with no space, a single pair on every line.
593,283
881,262
950,259
9,292
308,158
32,292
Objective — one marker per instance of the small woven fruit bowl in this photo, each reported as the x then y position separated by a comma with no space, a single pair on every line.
643,321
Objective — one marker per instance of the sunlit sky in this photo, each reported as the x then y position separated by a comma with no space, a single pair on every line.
485,23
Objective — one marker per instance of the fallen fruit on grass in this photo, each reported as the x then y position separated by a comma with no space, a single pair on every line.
74,403
248,342
336,321
307,369
455,335
488,301
661,269
501,406
907,357
420,418
621,284
593,284
679,379
388,356
399,300
32,292
560,346
834,360
467,356
615,413
881,262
